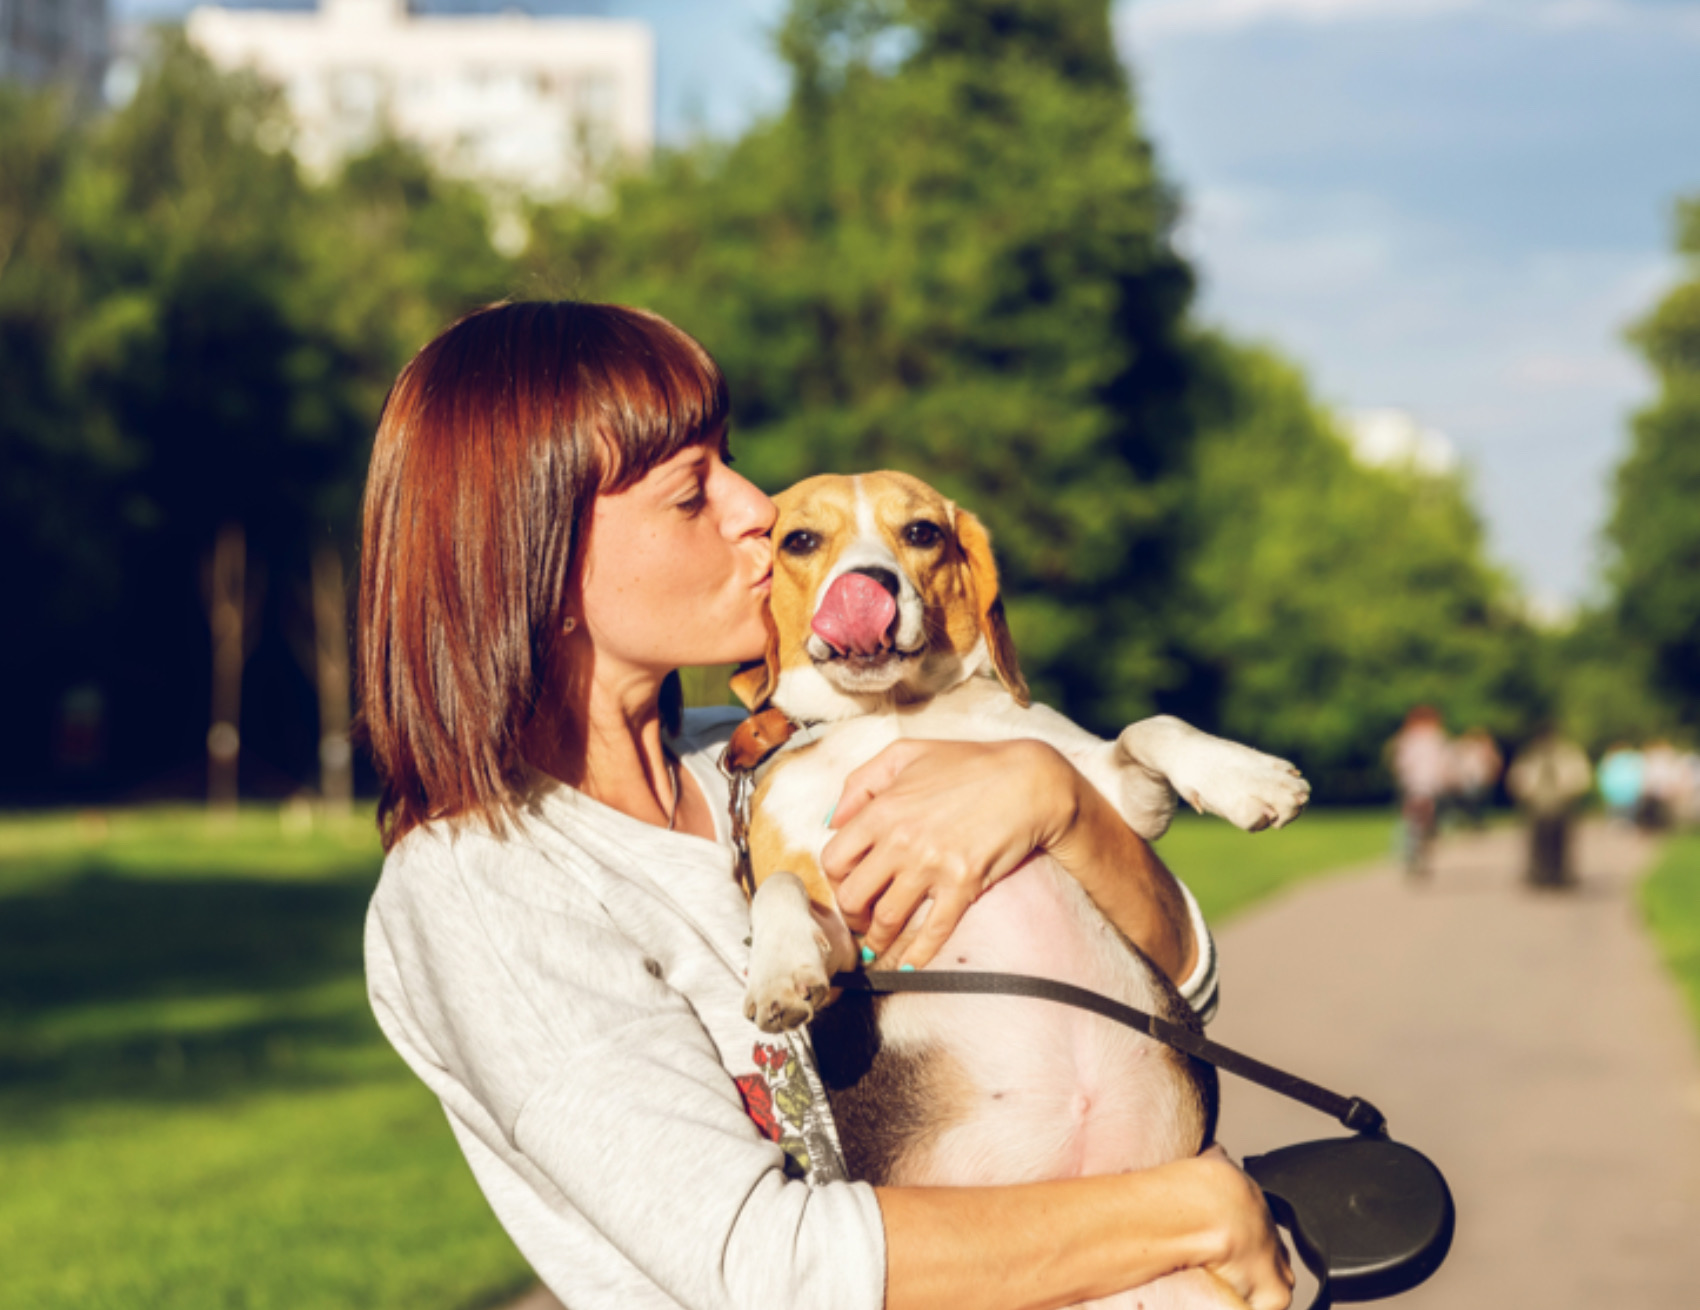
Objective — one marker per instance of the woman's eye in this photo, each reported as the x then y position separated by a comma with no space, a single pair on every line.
694,505
800,543
923,535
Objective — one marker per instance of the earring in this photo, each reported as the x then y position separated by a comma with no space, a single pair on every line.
570,624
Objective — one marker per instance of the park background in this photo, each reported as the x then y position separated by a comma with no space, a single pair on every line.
947,241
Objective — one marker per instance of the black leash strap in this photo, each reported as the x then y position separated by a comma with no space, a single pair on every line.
1352,1111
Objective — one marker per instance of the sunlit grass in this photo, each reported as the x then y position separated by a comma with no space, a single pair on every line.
1229,870
197,1111
196,1108
1670,898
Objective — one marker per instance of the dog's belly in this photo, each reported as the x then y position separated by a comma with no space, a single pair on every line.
967,1090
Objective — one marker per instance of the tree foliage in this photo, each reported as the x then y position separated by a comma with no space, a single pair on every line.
195,334
950,254
1655,525
1327,598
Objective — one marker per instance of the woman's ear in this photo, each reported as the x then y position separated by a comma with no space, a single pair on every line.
976,545
754,683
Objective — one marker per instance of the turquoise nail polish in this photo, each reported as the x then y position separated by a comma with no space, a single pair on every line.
829,814
867,955
905,968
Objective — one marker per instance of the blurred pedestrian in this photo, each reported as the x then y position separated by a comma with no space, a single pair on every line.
1548,777
1475,764
1662,785
1621,776
1688,799
1418,758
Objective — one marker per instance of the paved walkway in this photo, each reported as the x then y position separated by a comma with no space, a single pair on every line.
1531,1044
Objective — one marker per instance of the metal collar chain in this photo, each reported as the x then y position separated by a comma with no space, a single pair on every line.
756,744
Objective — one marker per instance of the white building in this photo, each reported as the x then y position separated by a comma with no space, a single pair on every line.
64,41
538,103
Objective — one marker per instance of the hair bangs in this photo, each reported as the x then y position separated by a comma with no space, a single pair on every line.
657,391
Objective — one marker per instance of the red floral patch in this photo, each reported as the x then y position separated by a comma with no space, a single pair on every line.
758,1104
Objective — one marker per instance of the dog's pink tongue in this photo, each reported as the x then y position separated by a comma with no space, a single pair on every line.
855,616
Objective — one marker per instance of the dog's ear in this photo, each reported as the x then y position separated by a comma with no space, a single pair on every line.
754,683
976,545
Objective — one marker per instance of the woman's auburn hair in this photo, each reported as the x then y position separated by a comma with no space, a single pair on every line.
493,444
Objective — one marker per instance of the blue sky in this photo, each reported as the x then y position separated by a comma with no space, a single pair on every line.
1450,207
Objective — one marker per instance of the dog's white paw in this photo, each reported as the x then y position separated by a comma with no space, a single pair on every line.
787,986
1249,789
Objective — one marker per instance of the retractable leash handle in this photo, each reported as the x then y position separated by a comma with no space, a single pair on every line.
1370,1217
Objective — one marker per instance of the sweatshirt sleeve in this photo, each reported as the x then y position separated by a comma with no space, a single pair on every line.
593,1107
1201,989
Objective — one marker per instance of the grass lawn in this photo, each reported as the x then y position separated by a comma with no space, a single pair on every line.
196,1109
1670,897
1228,869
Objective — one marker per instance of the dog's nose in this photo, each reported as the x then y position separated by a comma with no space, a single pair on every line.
885,577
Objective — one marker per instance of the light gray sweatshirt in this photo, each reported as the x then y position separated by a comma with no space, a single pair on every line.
573,993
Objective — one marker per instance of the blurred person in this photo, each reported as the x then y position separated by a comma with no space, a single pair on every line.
1419,759
558,939
1662,781
1474,766
1688,802
1548,777
1621,776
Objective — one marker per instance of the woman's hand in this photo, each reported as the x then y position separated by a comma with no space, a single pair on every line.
940,821
1248,1255
1082,1239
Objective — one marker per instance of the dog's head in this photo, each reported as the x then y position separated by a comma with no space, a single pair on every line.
884,593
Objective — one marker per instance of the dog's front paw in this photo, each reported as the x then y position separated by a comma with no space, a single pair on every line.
785,993
777,1005
1249,789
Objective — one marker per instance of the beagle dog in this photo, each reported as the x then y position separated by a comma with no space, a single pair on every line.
886,623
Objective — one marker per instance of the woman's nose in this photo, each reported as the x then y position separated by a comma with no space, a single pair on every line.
753,514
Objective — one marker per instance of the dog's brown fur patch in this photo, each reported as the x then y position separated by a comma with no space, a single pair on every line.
886,1102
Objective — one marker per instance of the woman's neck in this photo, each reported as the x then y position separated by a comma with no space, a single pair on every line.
602,735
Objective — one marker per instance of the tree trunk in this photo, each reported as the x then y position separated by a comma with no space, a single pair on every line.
226,611
330,658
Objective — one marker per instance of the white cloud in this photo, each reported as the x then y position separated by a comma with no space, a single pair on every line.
1550,370
1393,438
1148,18
1678,19
1153,19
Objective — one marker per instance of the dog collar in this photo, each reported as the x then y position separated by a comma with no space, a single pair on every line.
750,752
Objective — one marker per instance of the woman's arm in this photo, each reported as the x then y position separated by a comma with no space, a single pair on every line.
1042,1245
943,821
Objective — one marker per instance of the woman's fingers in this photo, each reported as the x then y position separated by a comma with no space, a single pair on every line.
933,822
862,889
869,780
927,933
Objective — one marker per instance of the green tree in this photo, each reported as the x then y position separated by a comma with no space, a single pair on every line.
1655,525
950,254
1327,598
197,335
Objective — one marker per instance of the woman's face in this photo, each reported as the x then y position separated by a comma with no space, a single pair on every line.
677,567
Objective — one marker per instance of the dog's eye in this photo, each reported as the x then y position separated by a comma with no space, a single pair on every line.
923,535
800,543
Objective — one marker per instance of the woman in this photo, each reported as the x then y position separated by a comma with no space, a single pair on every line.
556,946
